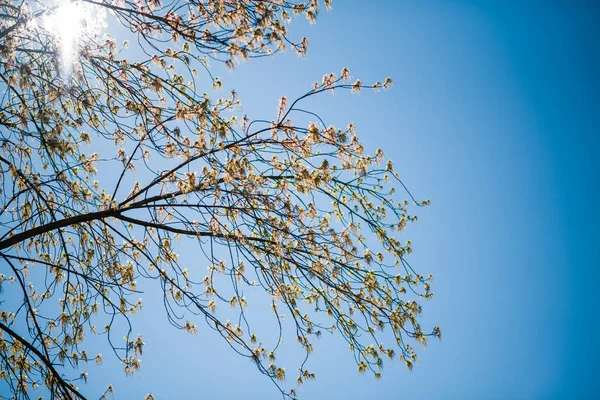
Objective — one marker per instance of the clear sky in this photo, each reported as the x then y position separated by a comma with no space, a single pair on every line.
494,116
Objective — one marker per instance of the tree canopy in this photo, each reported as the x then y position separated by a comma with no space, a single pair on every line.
115,152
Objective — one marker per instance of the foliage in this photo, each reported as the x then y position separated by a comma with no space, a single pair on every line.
288,206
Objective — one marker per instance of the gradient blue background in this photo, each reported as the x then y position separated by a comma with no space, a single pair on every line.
494,116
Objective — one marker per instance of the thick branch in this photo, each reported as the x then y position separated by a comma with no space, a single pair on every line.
77,219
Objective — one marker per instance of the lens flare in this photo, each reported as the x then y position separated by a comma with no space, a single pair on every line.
68,22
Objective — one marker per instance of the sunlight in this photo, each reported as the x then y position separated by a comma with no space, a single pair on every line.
67,23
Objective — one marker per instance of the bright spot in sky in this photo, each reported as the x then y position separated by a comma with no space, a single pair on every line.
67,22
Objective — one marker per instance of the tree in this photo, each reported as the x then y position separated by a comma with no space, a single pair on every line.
287,206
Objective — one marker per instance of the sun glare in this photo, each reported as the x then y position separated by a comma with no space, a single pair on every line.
67,22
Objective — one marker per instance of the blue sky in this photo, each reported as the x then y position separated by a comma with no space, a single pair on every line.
494,116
